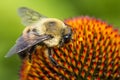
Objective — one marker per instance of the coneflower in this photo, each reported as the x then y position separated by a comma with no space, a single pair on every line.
92,54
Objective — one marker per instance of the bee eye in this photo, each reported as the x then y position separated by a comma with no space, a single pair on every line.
67,38
67,34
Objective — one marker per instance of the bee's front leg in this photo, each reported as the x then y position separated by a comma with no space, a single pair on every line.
51,58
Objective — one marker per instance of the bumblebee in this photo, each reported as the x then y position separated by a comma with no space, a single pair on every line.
40,29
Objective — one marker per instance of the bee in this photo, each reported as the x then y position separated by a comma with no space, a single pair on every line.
40,29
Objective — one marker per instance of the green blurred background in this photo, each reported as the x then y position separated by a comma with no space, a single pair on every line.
11,27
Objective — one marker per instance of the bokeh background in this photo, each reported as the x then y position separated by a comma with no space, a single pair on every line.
11,27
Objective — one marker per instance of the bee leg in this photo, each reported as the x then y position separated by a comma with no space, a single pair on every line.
30,51
29,55
51,58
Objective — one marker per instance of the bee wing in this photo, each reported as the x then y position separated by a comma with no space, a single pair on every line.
11,51
29,16
22,44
